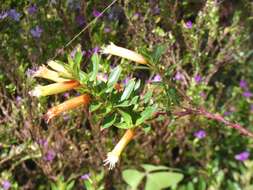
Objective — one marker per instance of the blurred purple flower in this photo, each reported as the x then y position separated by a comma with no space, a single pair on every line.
80,20
107,30
32,9
202,94
137,15
3,15
6,185
247,94
14,14
66,117
43,143
198,79
30,72
96,49
50,155
126,80
66,95
96,13
178,76
85,176
200,134
188,24
157,78
243,84
18,99
36,32
227,113
242,156
156,10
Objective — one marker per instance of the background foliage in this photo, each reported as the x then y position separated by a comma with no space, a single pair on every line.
200,48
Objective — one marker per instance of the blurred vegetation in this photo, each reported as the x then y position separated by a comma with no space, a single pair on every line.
201,50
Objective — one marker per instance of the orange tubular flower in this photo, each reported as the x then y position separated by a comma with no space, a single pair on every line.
54,88
113,156
82,100
124,53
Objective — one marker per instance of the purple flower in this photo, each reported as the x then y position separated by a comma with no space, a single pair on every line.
6,184
202,94
66,95
188,24
157,78
14,14
126,80
32,9
247,94
198,79
85,176
96,13
80,20
242,156
36,32
96,49
30,72
178,76
50,155
3,15
18,99
107,30
200,134
243,84
66,117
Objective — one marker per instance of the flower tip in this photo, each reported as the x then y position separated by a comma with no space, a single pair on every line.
35,92
111,160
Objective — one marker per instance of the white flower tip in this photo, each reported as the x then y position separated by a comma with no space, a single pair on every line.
35,92
111,160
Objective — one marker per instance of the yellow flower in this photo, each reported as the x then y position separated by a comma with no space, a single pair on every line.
59,68
82,100
113,156
46,73
54,88
124,53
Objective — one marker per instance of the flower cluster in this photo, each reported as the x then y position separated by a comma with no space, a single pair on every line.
63,83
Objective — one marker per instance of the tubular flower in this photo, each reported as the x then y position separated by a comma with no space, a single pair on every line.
54,88
59,68
67,105
44,72
113,156
124,53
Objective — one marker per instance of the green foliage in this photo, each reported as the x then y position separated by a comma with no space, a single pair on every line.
157,177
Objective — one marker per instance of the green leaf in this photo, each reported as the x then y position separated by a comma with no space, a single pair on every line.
132,177
109,121
160,180
78,58
114,76
126,117
150,168
148,96
95,64
128,90
70,185
146,114
137,84
158,52
122,125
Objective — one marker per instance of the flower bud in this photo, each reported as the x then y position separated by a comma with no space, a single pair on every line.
124,53
82,100
44,72
54,88
59,68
